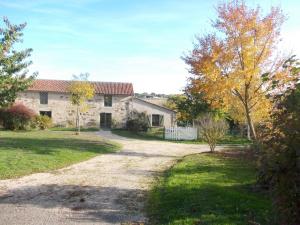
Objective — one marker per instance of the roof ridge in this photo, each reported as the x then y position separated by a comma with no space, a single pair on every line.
91,81
101,87
151,103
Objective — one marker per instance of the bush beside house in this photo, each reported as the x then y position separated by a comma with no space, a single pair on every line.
137,122
42,122
20,117
17,117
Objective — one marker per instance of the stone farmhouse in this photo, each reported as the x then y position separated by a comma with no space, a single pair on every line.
110,108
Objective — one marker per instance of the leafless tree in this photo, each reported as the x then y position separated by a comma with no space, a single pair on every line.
211,130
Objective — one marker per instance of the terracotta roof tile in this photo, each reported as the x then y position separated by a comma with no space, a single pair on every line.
111,88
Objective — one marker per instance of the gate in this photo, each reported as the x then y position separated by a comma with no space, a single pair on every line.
181,133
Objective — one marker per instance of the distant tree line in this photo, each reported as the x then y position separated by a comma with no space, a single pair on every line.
152,94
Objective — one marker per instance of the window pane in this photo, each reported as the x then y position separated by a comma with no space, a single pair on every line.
155,120
43,97
108,100
46,113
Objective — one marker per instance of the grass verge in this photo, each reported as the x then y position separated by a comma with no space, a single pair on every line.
23,153
151,134
83,129
209,189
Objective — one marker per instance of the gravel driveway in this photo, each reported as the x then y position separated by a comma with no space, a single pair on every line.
108,189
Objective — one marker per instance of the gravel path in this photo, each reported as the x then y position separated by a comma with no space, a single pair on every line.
108,189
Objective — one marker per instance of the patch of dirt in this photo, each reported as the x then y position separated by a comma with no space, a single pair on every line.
243,154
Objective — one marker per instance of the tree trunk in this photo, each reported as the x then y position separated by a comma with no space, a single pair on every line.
78,120
247,110
212,147
250,124
248,132
79,123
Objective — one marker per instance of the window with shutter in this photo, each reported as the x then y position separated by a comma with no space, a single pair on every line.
157,120
161,120
149,120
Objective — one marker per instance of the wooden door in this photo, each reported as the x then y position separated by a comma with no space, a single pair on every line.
105,120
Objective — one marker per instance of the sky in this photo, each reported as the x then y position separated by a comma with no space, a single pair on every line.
138,41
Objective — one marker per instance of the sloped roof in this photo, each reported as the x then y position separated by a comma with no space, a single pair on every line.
153,104
62,86
148,103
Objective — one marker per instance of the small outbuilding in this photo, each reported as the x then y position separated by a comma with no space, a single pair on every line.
158,115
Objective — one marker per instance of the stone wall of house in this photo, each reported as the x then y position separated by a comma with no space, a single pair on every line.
64,113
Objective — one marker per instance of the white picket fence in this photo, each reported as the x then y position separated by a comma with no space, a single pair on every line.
181,133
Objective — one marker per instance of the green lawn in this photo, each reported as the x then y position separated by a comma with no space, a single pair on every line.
75,129
151,134
209,189
23,153
157,134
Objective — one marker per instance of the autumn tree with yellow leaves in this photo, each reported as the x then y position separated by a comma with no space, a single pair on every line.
81,90
236,67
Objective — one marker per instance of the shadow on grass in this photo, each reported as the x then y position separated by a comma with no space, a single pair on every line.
82,129
48,145
208,204
209,189
89,203
234,165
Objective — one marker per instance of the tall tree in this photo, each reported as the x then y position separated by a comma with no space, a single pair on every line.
231,69
188,106
81,90
13,64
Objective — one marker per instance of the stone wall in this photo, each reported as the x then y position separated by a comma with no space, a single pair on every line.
64,113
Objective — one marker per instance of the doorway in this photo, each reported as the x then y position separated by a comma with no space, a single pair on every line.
105,120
